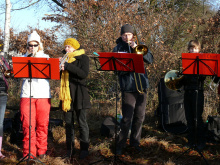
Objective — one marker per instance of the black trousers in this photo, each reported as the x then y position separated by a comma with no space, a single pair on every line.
83,129
193,111
133,115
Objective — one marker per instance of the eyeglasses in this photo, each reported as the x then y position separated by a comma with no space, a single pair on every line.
29,45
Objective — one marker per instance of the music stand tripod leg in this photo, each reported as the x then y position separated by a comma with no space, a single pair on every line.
29,154
116,116
195,145
195,148
118,62
116,128
196,125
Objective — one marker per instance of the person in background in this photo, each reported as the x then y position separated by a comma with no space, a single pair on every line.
194,104
133,102
3,97
215,84
74,96
40,104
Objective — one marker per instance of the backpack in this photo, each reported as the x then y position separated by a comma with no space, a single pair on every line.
109,127
16,136
171,112
213,127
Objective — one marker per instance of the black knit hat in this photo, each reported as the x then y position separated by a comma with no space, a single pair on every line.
127,29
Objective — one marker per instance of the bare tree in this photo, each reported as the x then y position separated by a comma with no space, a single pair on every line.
7,27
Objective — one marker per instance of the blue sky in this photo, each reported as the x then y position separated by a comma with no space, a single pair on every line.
21,19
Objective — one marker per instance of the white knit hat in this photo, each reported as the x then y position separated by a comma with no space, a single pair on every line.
34,37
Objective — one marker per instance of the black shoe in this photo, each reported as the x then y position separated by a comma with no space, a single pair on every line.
118,152
83,154
201,146
137,148
189,145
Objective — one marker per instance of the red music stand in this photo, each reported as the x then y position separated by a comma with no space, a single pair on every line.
206,64
199,64
118,62
30,67
127,62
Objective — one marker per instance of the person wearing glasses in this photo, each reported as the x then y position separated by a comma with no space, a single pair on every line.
40,104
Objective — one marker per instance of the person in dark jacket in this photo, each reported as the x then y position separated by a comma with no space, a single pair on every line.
74,96
3,97
194,104
133,102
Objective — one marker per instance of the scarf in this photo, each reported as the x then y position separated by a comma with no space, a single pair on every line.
64,85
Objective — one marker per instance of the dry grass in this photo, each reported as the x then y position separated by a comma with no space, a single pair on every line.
159,147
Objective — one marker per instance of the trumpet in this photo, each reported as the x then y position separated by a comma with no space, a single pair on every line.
64,59
5,70
139,49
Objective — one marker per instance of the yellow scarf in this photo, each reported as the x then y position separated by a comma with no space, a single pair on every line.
64,85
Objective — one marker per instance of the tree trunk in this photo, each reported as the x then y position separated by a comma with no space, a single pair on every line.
7,27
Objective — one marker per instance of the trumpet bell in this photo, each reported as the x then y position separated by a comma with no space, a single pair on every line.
141,49
173,80
7,73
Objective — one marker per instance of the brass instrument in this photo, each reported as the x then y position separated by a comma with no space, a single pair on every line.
142,50
64,59
173,80
5,70
141,91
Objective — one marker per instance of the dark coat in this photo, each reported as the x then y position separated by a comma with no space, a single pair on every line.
78,72
3,81
192,82
126,79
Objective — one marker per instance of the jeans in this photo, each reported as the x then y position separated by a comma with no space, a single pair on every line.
3,101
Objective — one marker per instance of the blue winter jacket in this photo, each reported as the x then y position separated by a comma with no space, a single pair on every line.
126,79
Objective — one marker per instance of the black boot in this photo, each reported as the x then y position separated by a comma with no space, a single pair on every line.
83,150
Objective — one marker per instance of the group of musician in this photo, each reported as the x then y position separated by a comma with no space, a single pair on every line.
75,100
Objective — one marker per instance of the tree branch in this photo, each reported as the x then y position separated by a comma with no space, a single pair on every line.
27,6
59,4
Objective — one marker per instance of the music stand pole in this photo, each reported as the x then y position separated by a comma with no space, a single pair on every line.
29,154
116,126
113,59
116,108
195,145
116,116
